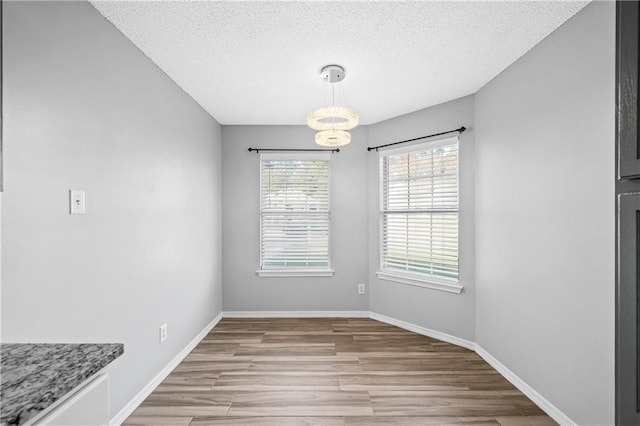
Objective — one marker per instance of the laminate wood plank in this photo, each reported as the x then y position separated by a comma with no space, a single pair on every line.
211,367
277,381
301,410
176,382
509,392
284,398
157,421
309,363
306,365
310,358
369,322
218,363
216,334
216,348
421,421
301,403
409,358
381,347
365,325
542,420
428,363
285,349
315,320
526,406
228,324
192,398
233,337
296,324
390,331
327,332
448,347
468,356
473,361
268,421
438,403
394,354
371,381
228,341
225,357
186,375
361,328
186,403
402,338
180,411
308,338
485,380
297,327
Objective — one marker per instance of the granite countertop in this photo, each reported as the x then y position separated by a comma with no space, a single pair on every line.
34,376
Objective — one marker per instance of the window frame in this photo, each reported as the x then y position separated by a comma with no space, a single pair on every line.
295,271
451,285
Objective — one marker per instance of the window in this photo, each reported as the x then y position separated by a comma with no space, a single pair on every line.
419,215
294,215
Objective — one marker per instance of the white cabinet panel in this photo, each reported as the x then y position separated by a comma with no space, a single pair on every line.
89,406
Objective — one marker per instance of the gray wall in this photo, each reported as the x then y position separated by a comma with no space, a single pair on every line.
243,290
545,216
85,109
444,312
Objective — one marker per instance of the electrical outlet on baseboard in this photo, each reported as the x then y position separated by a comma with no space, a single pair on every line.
361,289
163,333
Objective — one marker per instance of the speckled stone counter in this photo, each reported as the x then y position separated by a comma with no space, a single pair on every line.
34,376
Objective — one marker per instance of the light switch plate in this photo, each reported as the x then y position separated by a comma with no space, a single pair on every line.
163,333
76,202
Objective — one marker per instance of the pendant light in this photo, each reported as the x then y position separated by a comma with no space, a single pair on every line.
332,121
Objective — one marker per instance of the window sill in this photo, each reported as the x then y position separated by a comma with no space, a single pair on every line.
449,286
295,272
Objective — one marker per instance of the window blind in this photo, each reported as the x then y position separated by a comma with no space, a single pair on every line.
294,212
419,210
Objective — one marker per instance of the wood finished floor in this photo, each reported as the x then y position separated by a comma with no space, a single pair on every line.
319,371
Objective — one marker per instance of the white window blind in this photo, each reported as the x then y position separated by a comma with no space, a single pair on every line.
294,212
419,210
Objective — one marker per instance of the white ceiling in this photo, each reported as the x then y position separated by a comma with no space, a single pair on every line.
259,62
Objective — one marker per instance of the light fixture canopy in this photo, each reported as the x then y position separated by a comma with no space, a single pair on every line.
332,122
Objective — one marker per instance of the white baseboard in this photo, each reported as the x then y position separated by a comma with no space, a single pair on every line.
140,396
538,399
534,396
424,331
295,314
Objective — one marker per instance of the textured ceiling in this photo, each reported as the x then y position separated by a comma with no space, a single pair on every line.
259,62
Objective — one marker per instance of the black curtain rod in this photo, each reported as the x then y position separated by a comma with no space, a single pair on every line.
461,129
293,150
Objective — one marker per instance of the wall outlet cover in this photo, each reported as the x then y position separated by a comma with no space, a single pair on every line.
76,202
